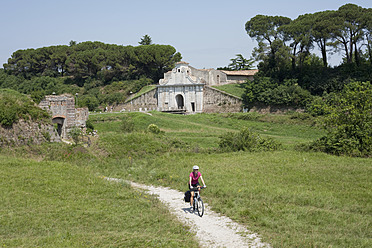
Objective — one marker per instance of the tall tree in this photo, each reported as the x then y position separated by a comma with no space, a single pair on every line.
300,33
368,32
349,31
322,28
240,63
271,51
145,40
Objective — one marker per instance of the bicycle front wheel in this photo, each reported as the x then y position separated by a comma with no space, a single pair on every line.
200,207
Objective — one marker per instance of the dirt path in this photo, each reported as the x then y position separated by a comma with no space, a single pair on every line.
212,230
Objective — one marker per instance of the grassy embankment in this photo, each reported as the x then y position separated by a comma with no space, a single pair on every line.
292,198
61,204
233,89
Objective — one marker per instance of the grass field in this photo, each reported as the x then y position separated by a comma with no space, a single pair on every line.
233,89
292,198
55,204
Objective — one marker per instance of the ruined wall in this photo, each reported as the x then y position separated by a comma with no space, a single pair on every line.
26,133
145,102
81,117
216,101
64,114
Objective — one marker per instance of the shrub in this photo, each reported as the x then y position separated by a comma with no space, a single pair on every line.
267,91
349,122
246,140
152,128
75,134
15,106
89,126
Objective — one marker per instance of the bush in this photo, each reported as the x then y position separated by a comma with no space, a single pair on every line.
349,122
15,106
245,140
152,128
89,125
267,91
88,101
75,134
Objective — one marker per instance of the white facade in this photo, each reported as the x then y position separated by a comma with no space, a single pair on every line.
180,90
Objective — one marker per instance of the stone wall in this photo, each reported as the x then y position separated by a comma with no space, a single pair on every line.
26,133
216,101
64,114
145,102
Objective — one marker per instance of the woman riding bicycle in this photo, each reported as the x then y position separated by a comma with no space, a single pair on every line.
194,182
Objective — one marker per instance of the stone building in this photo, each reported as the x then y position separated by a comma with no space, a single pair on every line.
188,90
64,113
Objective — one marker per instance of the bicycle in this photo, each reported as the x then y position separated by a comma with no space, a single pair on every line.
198,204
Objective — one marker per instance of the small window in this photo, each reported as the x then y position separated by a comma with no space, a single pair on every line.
179,70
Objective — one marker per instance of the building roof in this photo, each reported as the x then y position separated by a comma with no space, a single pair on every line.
241,73
182,62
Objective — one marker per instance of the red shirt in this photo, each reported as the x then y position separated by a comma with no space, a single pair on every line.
194,179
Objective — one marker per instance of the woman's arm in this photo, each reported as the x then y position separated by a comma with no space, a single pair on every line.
201,178
190,181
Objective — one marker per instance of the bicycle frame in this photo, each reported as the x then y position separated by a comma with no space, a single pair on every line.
198,202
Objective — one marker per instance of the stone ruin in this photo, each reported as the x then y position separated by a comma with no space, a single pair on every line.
64,114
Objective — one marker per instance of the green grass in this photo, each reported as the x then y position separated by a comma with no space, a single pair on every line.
233,89
203,130
53,204
291,198
15,106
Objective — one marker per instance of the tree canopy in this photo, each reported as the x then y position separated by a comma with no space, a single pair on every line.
84,60
100,73
286,48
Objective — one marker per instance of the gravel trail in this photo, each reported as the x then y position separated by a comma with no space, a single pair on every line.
212,230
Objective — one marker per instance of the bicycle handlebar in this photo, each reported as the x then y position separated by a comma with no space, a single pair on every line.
197,188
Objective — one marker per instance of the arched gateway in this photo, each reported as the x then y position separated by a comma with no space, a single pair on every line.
180,102
64,113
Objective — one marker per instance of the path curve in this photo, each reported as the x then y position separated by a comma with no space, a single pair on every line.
212,230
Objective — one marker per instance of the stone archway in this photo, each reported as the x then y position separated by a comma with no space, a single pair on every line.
180,102
59,121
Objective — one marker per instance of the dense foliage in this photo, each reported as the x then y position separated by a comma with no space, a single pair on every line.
270,92
106,62
291,75
285,47
101,74
348,118
246,140
15,106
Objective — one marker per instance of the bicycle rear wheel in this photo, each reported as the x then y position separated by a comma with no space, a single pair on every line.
200,207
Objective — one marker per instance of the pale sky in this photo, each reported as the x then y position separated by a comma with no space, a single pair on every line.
207,33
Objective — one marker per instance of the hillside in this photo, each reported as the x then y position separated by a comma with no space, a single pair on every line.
22,122
290,196
233,89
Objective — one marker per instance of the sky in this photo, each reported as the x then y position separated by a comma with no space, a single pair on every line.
207,33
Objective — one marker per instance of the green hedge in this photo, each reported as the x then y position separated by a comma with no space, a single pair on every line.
15,106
